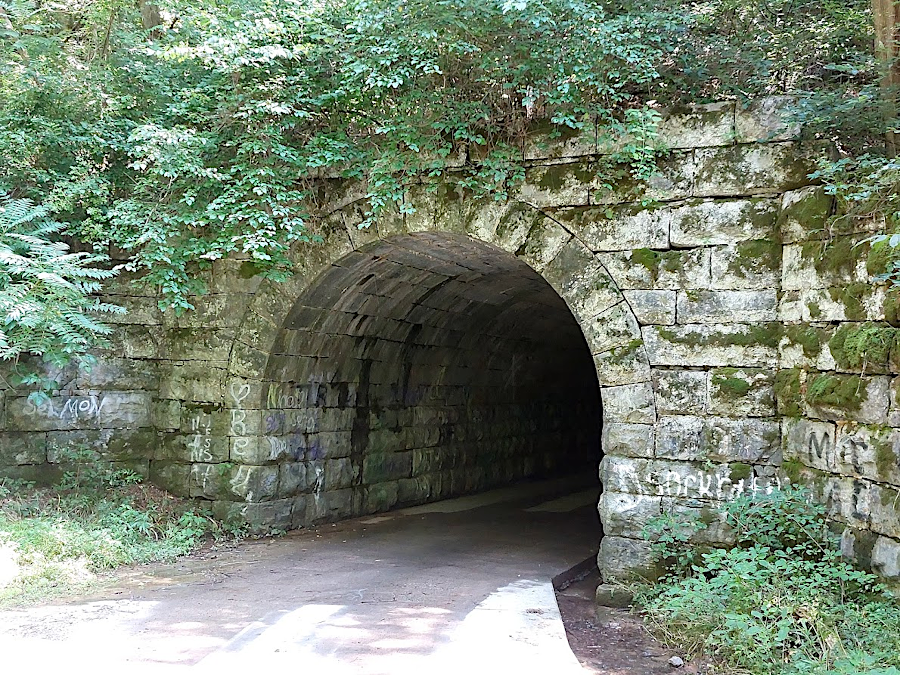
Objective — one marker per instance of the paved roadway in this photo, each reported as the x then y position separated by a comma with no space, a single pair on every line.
460,586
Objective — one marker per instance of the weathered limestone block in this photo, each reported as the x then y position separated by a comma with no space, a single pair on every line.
804,213
581,281
380,468
861,504
632,403
556,141
823,264
263,517
557,185
172,476
55,413
652,307
621,558
623,365
616,327
381,496
790,307
809,442
673,180
705,345
120,445
648,269
681,392
698,126
727,306
257,449
235,482
18,448
742,392
291,479
716,531
753,169
857,301
848,397
119,374
885,559
215,310
688,438
806,346
705,222
748,265
125,410
199,381
620,228
628,440
545,240
667,478
865,451
765,120
626,515
139,312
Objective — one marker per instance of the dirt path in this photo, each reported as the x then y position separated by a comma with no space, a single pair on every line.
457,586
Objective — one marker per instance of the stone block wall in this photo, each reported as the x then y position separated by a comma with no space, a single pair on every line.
461,345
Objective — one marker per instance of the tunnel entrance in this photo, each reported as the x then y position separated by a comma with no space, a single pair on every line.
429,366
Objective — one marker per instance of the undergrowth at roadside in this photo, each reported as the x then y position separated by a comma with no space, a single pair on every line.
55,540
781,601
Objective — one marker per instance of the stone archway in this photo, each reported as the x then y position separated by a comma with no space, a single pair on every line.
257,378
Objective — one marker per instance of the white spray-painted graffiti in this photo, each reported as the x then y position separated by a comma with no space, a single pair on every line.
201,441
240,483
74,408
239,393
696,484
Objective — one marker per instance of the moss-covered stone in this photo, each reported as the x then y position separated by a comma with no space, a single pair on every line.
844,392
851,297
766,334
880,257
837,256
808,337
793,470
866,346
741,471
787,393
730,384
754,257
892,307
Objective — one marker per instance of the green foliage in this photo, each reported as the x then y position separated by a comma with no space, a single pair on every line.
782,601
227,127
100,516
45,304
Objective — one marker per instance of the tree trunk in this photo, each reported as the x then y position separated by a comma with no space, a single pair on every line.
151,19
886,14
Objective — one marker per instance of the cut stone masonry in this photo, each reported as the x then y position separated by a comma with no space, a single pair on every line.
687,331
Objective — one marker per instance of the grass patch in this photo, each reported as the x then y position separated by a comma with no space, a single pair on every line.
57,540
782,601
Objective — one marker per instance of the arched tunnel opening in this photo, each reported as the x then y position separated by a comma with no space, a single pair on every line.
428,366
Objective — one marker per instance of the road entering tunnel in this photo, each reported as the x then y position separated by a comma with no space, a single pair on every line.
427,366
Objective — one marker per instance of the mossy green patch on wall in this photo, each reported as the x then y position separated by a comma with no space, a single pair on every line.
866,345
756,256
765,334
844,392
730,383
810,338
837,256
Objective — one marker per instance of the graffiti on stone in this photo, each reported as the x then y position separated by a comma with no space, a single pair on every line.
200,444
73,408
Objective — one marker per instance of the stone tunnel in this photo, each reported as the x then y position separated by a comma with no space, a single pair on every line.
460,343
426,366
